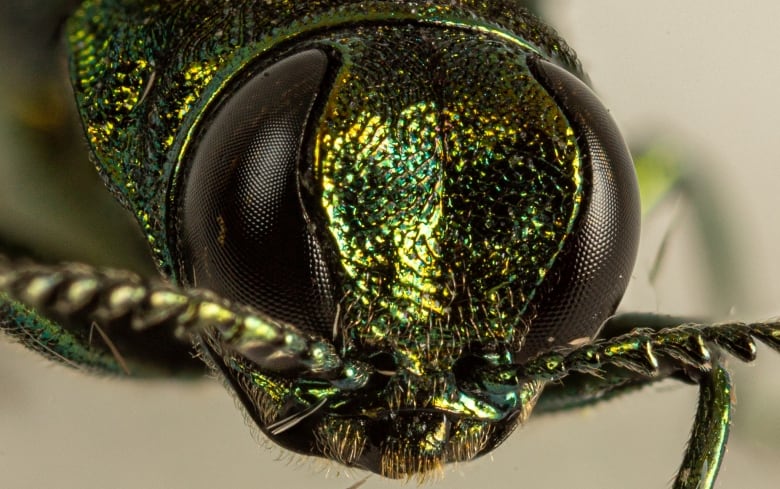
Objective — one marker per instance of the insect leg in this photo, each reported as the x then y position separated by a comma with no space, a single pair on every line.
689,351
580,389
710,433
52,340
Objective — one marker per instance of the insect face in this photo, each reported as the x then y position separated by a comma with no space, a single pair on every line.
434,200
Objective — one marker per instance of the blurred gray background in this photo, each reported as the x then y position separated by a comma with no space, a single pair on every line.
702,75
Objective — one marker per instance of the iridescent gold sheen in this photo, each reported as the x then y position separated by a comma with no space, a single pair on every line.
450,179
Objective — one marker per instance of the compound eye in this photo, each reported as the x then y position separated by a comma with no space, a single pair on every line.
244,228
590,275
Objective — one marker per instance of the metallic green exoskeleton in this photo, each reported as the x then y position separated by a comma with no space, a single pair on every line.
394,228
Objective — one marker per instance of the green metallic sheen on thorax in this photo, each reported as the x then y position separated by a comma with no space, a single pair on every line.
144,74
448,203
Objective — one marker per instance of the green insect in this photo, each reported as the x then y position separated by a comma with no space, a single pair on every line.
396,228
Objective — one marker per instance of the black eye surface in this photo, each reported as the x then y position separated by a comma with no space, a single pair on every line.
244,229
591,274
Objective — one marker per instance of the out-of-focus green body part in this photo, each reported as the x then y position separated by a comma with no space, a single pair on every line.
658,171
141,104
668,184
